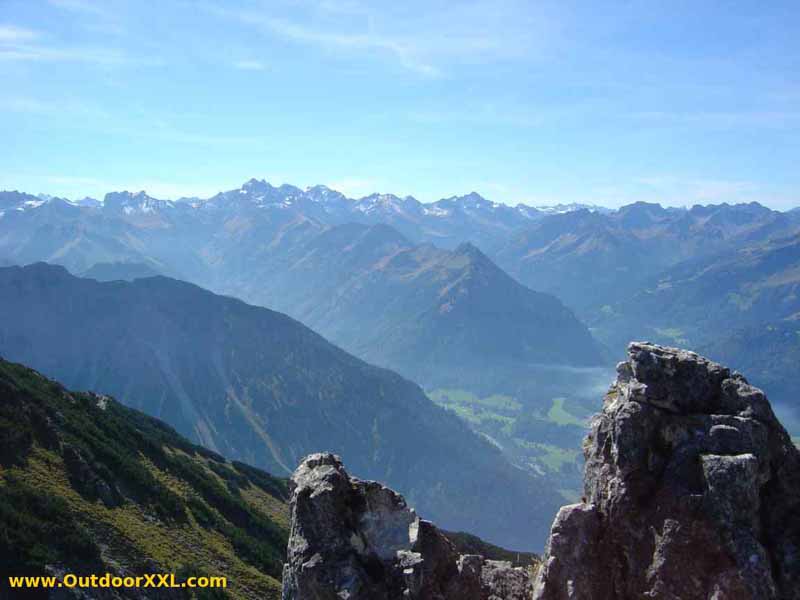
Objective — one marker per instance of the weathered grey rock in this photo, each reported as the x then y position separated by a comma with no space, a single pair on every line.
358,540
692,489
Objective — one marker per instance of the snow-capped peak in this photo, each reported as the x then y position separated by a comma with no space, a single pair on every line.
131,203
558,209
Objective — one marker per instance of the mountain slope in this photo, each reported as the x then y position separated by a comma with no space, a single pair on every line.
114,271
702,300
591,259
740,307
260,387
89,486
435,315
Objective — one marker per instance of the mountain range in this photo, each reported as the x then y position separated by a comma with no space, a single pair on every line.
258,386
739,306
341,266
586,256
699,300
590,260
434,315
478,302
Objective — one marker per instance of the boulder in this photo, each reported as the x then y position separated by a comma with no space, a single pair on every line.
359,540
692,490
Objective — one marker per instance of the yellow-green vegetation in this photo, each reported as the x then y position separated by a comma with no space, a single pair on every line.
267,504
90,485
548,442
559,415
451,397
491,412
551,456
131,531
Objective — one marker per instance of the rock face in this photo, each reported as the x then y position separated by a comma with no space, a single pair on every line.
692,491
360,541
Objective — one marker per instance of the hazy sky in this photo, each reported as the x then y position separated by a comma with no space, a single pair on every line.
536,102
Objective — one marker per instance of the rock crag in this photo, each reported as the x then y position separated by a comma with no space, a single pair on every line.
359,540
692,490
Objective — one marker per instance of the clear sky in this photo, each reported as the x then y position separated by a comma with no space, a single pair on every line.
535,102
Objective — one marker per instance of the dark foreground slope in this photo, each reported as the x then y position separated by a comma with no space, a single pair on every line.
88,486
259,387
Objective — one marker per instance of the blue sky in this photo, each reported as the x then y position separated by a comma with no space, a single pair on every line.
534,102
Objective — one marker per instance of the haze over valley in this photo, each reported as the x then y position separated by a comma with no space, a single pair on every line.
326,299
518,364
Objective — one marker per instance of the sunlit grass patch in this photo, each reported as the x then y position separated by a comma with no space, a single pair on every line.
559,415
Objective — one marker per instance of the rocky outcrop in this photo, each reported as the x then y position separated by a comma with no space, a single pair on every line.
692,491
359,540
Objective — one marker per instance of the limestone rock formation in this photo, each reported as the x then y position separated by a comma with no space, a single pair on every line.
692,491
359,540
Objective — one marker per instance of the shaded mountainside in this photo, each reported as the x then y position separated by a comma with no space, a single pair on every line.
434,315
114,271
699,300
692,490
259,387
336,264
90,486
739,306
466,543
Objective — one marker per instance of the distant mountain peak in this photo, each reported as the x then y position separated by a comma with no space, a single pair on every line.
13,198
87,201
254,185
474,198
134,202
385,198
469,249
324,194
321,189
387,203
470,200
570,207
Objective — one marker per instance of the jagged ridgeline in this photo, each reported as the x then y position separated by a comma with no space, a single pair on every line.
90,486
257,386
